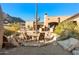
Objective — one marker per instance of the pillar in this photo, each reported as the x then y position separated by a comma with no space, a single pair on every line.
1,28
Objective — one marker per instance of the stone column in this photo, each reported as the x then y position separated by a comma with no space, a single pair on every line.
1,27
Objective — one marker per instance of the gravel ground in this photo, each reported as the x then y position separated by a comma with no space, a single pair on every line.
50,49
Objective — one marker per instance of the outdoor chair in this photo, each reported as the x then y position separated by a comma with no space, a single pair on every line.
42,36
48,36
27,37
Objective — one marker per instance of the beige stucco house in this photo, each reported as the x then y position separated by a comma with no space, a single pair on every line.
29,24
50,21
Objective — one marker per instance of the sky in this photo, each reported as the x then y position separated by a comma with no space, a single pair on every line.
26,11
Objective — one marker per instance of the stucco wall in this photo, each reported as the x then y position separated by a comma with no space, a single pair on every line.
28,23
1,27
1,35
49,19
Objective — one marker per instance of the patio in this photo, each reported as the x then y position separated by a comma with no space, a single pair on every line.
50,49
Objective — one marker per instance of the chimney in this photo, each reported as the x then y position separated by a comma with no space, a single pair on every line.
45,18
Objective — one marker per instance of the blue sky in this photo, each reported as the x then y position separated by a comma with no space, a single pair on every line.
26,11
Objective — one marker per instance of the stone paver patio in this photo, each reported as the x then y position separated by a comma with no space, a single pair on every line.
44,50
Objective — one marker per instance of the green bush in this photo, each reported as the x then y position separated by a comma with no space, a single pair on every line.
8,32
11,29
67,29
64,26
59,29
64,35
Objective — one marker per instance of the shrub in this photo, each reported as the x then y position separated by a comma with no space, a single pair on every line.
12,28
64,35
8,32
67,29
64,26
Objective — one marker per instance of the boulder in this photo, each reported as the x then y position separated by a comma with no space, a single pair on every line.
13,41
75,52
69,44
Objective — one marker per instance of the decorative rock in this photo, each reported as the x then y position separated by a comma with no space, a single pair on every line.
75,52
14,42
69,44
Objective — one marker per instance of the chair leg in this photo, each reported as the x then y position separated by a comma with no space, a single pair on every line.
44,40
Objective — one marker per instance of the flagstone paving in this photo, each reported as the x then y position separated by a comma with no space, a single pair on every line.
44,50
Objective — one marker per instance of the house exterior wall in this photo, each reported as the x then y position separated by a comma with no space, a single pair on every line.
28,23
49,19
